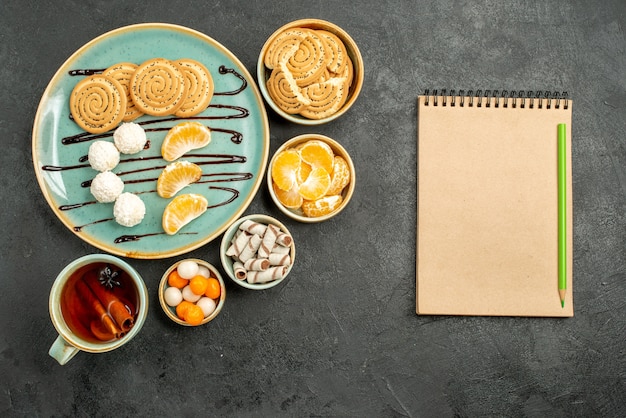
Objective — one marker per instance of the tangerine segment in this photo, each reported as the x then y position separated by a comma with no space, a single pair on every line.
177,176
316,185
182,210
340,177
291,198
318,154
303,172
184,137
284,168
322,206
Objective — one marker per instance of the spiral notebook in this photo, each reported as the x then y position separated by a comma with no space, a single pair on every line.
487,222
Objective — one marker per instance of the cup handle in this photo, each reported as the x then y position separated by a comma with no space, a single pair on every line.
62,351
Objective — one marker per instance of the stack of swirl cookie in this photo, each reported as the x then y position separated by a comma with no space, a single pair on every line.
311,72
125,91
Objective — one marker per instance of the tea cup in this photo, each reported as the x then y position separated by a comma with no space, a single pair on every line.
97,303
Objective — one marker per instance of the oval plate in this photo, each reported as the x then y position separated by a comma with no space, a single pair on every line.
233,164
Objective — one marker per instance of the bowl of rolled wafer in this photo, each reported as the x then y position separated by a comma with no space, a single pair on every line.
310,71
257,252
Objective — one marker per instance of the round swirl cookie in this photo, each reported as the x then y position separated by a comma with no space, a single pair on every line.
199,87
123,72
309,61
98,103
282,46
157,87
283,89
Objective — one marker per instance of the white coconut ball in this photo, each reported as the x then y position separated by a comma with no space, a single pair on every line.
187,269
189,296
204,271
129,138
129,209
103,156
106,187
173,296
207,305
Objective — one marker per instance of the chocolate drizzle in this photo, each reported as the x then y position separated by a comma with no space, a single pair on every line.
153,163
244,83
136,237
222,70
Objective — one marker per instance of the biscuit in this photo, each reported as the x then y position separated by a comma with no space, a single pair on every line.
309,61
282,46
348,71
122,72
199,87
336,51
326,98
98,103
284,91
158,87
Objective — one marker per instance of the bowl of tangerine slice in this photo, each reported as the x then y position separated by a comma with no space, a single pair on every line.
311,178
192,292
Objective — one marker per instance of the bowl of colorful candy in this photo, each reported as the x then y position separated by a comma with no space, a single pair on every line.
192,292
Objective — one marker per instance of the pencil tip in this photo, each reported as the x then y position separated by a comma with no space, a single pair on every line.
562,304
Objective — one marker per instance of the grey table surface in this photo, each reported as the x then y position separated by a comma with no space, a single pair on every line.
340,337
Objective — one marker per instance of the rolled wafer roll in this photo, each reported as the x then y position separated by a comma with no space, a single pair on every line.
98,103
284,239
276,259
336,51
240,271
280,249
122,72
251,248
283,46
284,91
238,244
257,264
199,87
253,227
158,87
269,239
309,61
272,273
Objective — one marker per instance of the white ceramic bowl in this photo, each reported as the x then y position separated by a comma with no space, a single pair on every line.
263,73
227,261
171,311
346,193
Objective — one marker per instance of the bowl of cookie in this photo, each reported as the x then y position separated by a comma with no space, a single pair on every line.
310,71
311,178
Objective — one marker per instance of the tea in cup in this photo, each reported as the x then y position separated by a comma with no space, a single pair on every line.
97,304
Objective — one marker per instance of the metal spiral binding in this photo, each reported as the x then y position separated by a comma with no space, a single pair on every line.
519,98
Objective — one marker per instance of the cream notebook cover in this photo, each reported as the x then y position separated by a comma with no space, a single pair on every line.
487,227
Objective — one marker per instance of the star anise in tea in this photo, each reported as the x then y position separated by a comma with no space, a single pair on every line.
108,277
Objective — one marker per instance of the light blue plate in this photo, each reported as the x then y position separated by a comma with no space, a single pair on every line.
233,164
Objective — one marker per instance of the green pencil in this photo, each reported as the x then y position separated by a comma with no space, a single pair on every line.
562,156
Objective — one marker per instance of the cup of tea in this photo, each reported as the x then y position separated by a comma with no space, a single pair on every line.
97,303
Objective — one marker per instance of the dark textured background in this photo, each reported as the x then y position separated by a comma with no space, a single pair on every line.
340,337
